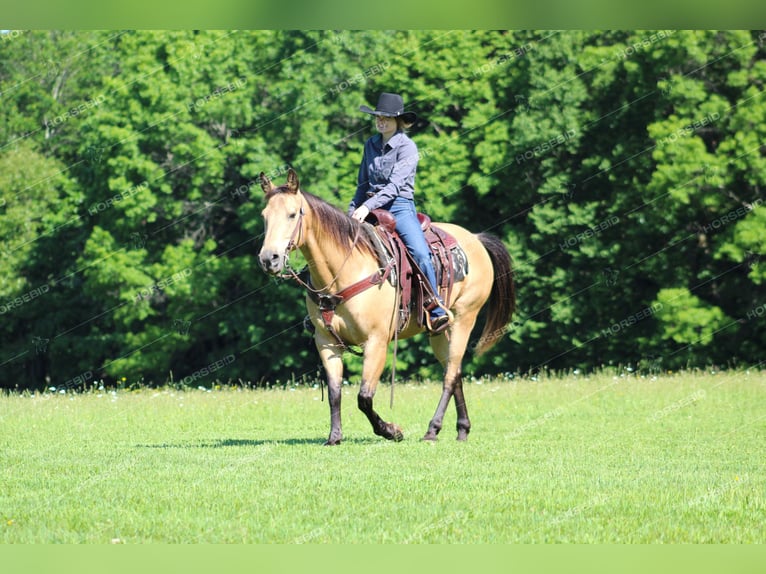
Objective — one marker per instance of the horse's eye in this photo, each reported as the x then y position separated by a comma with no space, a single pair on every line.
292,215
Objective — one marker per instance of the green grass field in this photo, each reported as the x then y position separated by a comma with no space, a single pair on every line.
679,458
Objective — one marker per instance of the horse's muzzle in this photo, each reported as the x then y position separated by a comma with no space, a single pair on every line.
271,261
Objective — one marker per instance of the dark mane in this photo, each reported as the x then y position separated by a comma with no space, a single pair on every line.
336,225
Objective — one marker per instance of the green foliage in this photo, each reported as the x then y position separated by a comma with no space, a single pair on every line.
622,168
685,319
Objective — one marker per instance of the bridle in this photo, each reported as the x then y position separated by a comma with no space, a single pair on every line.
290,273
293,244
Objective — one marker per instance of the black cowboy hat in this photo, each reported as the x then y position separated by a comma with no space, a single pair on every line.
392,106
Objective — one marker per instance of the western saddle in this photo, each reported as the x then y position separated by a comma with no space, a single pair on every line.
416,294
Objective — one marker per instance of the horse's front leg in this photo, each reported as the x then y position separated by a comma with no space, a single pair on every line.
332,360
374,362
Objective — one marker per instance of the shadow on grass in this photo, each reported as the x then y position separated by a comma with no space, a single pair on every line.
236,442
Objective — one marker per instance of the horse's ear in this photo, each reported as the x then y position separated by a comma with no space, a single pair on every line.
293,184
266,184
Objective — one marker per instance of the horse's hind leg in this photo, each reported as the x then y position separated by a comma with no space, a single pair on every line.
450,355
463,422
374,362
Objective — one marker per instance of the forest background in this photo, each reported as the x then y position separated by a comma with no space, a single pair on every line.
624,170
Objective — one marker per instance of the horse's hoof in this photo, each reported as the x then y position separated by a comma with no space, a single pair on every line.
430,437
332,442
394,433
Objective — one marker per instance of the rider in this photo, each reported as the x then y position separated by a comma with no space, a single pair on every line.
387,181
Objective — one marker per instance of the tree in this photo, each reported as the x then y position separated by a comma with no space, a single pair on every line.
623,169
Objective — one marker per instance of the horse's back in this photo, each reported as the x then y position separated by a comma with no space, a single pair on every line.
478,281
468,240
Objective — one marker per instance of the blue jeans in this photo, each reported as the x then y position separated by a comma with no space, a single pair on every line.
408,228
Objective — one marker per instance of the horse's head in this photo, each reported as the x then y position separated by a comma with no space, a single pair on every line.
283,217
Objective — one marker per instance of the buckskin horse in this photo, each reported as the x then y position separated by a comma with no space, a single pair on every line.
344,260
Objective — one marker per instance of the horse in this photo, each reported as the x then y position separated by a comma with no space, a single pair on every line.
338,255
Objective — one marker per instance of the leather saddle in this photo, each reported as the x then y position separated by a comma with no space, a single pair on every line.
449,261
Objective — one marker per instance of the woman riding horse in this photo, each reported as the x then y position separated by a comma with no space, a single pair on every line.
387,181
345,270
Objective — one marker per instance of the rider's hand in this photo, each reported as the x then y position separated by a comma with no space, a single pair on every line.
360,213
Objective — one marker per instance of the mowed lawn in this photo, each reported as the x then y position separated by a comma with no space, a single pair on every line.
607,458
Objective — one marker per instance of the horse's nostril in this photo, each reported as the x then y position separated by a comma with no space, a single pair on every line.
269,260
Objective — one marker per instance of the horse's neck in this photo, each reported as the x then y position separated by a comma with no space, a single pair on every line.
335,266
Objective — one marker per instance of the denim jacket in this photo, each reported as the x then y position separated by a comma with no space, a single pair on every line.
385,174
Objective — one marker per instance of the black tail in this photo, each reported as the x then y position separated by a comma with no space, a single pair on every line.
502,299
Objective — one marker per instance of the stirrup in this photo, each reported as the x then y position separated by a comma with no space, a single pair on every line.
441,323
